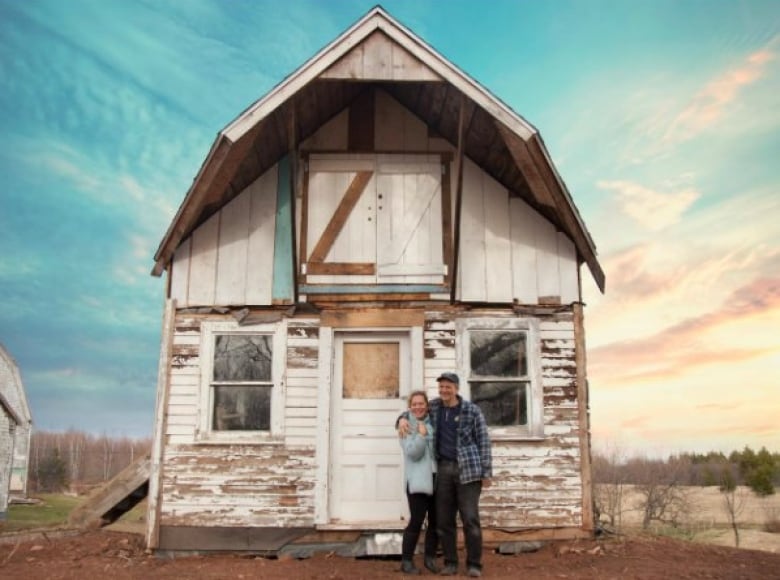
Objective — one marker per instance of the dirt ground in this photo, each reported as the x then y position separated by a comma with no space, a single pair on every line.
121,555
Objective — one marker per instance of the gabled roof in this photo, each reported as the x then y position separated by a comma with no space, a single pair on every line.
439,93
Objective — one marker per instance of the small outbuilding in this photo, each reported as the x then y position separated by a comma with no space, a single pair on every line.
374,220
15,433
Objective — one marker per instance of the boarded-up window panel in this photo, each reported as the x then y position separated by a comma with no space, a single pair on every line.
371,370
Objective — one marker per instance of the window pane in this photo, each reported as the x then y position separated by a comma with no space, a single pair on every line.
498,354
501,403
371,370
242,408
241,357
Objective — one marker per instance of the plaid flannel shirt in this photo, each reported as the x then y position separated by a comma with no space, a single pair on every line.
475,459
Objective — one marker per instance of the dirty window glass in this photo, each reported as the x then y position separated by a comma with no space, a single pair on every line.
499,375
242,382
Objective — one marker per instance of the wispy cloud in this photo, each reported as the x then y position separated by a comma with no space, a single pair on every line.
650,208
693,342
710,105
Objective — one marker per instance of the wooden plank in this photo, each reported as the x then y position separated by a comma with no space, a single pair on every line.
583,416
232,251
569,270
180,273
524,274
372,318
385,297
203,263
498,246
283,286
549,278
339,218
472,277
160,413
340,268
446,218
116,497
262,221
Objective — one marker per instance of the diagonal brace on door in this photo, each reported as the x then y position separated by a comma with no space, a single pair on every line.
336,223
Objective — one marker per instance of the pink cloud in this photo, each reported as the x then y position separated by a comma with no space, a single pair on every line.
709,105
678,348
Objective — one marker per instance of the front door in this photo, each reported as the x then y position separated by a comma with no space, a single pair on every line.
371,381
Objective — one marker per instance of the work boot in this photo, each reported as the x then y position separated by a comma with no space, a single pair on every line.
408,567
430,563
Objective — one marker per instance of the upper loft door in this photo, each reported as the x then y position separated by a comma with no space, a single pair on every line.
373,219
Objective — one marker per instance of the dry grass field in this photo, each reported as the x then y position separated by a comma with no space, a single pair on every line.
707,519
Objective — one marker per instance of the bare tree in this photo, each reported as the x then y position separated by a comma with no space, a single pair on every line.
663,495
608,474
734,499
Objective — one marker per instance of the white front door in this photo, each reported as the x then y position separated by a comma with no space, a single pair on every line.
372,376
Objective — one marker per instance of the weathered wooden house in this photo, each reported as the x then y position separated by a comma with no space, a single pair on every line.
15,433
375,219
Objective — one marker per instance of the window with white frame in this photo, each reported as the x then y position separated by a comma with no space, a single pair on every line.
241,380
501,357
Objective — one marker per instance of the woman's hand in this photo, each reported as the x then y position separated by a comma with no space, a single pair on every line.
421,429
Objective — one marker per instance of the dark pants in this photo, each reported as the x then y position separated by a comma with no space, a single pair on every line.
420,505
453,497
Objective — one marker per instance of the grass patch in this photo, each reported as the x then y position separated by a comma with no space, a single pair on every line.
50,512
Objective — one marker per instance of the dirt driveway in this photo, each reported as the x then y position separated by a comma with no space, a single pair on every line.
118,556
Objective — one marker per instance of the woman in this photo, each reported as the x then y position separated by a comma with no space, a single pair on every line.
420,468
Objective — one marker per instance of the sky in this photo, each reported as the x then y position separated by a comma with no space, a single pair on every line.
663,118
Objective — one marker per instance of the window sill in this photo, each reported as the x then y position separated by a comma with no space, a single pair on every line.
244,439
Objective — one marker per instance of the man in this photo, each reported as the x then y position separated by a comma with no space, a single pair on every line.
464,467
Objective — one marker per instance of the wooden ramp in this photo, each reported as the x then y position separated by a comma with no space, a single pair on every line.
107,503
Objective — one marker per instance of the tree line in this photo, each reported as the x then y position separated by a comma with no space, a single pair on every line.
758,470
76,461
664,485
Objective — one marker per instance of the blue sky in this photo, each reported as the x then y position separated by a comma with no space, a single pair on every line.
663,118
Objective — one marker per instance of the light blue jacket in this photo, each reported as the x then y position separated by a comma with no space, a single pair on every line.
419,457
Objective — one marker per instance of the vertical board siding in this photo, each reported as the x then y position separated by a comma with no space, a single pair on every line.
203,263
472,262
508,251
260,256
229,260
233,250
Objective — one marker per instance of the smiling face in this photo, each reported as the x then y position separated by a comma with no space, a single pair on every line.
418,405
448,392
